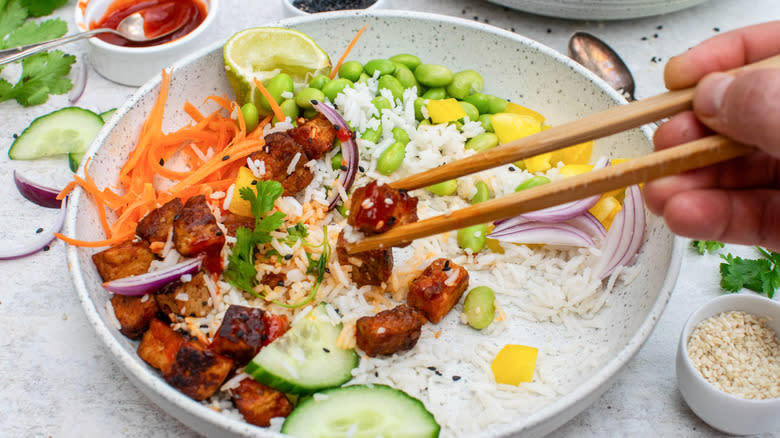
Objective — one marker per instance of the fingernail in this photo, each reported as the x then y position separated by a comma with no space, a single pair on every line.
710,93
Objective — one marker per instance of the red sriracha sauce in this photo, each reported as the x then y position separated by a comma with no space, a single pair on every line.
160,16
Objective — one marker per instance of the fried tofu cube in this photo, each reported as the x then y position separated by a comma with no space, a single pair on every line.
186,299
134,313
376,208
197,371
195,231
123,260
316,136
159,346
389,331
157,225
241,333
259,403
438,289
284,161
368,268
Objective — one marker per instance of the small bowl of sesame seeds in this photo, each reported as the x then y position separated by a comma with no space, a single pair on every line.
306,7
728,364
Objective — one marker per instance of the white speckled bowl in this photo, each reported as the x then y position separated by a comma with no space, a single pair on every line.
514,67
721,410
598,9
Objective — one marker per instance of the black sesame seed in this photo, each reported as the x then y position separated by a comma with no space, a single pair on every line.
716,29
192,314
432,368
15,136
254,182
325,350
549,30
660,26
218,233
204,303
39,231
46,248
327,270
361,168
512,29
280,283
655,35
376,374
313,102
226,157
288,257
204,326
243,317
391,221
455,378
402,191
240,333
446,265
438,373
337,127
175,218
162,162
343,168
644,38
512,168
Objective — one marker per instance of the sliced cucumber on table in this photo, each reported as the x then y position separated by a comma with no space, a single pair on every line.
361,411
74,158
306,358
70,129
105,115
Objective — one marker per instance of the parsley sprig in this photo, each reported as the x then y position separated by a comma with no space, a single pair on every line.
760,275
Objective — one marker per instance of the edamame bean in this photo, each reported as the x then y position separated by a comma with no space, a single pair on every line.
406,77
406,59
471,111
381,103
363,77
334,87
290,109
351,70
472,237
437,93
537,180
278,85
391,158
465,83
319,81
479,100
310,113
496,104
483,193
383,66
444,188
401,136
418,104
251,116
482,142
433,75
487,125
392,84
306,95
480,307
372,135
336,161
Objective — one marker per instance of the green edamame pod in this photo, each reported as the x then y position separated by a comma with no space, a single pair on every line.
406,59
310,113
418,104
471,111
319,81
405,77
392,84
465,83
479,100
363,78
487,124
290,109
473,237
400,136
381,103
372,135
480,307
482,142
251,116
306,95
437,93
496,105
383,66
444,188
277,86
351,70
337,161
483,193
334,87
391,158
433,75
537,180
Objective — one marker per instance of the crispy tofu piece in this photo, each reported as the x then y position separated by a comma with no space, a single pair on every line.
241,334
368,268
195,231
233,222
376,208
278,154
316,136
123,260
389,331
134,313
156,225
438,288
259,403
197,371
159,346
185,299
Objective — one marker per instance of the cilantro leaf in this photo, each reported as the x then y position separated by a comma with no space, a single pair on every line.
39,8
760,275
316,267
42,74
703,246
296,233
32,32
12,15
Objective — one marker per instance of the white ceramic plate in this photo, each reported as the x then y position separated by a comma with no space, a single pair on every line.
513,66
598,9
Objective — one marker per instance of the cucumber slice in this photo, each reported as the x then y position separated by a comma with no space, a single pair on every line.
74,158
306,358
105,115
361,411
70,129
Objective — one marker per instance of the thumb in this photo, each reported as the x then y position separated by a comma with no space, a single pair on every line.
745,108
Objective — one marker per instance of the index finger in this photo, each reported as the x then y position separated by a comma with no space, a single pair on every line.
723,52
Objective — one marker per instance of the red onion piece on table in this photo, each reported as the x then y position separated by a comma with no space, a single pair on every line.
41,195
151,281
80,83
41,240
625,236
349,150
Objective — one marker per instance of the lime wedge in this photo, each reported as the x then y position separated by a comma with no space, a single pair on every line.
263,52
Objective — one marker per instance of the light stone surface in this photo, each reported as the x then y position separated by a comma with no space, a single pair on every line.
57,381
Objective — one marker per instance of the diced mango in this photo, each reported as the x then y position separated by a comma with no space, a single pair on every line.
238,205
445,110
605,210
615,161
575,169
509,126
577,154
538,163
514,364
519,109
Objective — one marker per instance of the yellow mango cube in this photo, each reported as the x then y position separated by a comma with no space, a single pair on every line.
605,210
575,169
238,205
445,110
577,154
538,163
509,126
519,109
514,364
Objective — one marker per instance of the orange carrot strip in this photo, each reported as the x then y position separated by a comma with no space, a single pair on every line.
351,45
222,101
271,101
66,191
193,112
96,244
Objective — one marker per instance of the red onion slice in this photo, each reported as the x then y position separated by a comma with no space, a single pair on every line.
41,240
589,224
151,281
625,236
349,151
41,195
544,233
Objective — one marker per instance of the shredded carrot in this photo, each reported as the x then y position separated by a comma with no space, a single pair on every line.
351,45
271,101
193,112
437,334
95,244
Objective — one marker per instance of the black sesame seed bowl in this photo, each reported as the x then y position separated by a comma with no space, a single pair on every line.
294,8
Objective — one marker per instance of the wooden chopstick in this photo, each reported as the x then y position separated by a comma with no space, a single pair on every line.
699,153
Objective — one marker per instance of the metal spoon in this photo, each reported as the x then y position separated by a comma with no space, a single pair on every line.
598,57
131,28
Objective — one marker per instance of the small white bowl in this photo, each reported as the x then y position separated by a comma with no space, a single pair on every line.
723,411
135,65
292,11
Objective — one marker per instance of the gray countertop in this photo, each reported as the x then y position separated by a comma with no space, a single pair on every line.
57,381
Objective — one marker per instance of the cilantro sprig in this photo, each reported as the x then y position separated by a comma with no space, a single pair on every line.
760,275
318,268
704,246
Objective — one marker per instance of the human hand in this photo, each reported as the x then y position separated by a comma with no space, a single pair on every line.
737,201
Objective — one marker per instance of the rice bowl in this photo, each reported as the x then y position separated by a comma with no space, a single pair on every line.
598,327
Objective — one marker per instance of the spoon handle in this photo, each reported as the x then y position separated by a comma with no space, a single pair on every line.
17,53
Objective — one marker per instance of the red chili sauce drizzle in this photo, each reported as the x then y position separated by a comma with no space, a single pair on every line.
159,17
